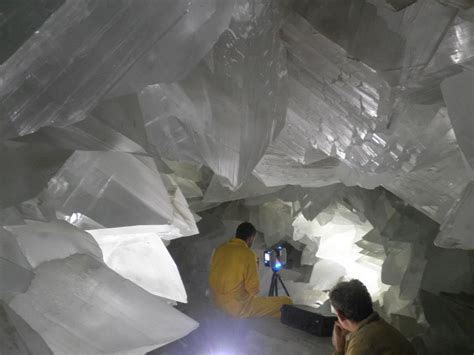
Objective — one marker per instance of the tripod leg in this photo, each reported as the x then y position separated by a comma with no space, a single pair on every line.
272,285
284,287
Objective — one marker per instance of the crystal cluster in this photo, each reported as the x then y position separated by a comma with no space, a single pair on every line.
341,129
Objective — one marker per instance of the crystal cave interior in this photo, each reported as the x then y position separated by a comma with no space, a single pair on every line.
135,135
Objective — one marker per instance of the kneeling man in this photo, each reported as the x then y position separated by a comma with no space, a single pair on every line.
234,278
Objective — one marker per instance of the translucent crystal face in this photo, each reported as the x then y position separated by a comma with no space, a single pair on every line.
135,136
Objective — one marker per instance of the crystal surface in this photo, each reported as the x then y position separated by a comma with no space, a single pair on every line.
41,242
142,259
458,91
181,48
90,134
234,107
396,44
71,301
340,129
60,73
103,186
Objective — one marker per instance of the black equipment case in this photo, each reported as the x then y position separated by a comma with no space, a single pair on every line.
308,319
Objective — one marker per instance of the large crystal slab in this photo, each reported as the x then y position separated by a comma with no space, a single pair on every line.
347,85
235,104
458,91
386,136
456,231
344,102
433,172
455,50
17,336
180,49
397,44
71,301
142,259
293,158
41,242
115,124
116,190
61,72
89,134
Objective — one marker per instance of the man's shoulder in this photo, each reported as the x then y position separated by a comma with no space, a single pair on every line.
380,332
376,328
252,253
239,248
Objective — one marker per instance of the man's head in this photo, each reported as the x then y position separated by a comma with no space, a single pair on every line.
352,303
247,232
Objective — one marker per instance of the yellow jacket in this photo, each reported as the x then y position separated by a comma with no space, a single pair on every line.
234,276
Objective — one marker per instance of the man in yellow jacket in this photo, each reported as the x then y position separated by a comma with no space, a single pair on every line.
234,278
359,330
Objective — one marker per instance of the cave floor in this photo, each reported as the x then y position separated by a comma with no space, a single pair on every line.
218,334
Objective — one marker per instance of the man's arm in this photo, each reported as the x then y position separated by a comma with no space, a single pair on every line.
252,280
339,339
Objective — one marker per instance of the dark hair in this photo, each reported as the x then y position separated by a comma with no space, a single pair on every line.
245,231
352,299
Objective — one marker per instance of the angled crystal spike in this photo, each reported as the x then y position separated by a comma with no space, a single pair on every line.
143,259
75,57
117,190
234,104
180,49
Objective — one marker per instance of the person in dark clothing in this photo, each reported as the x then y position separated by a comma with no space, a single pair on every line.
358,329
